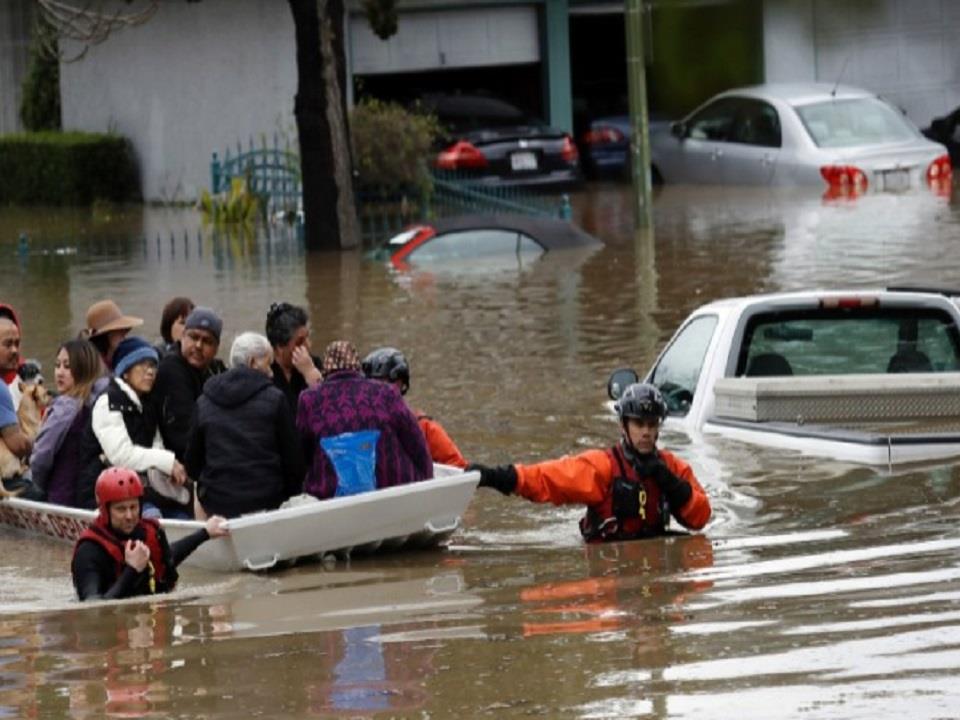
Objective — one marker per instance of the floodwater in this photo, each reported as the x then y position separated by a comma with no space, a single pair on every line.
819,590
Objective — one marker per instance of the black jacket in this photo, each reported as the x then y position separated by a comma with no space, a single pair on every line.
176,390
243,450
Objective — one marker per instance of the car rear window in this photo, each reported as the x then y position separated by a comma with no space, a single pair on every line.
852,122
477,244
843,342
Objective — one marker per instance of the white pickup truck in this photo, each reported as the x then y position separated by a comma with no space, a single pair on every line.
865,376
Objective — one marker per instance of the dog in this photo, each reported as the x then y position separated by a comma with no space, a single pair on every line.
34,400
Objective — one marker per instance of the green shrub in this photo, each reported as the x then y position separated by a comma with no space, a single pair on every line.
40,105
71,168
392,147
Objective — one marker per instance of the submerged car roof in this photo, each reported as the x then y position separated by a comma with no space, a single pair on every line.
552,233
800,93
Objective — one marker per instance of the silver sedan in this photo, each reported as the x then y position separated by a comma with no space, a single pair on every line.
844,139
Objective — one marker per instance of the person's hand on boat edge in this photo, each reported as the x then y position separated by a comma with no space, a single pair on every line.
216,526
502,478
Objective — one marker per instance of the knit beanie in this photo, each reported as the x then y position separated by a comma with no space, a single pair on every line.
203,318
129,352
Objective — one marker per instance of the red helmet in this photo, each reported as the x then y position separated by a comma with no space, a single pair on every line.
117,483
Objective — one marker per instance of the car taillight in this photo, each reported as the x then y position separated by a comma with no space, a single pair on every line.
845,178
940,169
569,151
602,136
459,156
940,176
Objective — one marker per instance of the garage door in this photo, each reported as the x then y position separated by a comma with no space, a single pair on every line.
447,39
906,50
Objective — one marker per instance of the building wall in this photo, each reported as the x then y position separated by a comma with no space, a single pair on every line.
905,50
16,21
195,79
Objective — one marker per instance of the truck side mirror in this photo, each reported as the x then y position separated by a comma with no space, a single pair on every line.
619,381
678,129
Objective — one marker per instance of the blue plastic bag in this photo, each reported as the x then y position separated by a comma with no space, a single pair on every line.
354,458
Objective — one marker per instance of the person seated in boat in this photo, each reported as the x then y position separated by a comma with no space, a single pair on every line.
106,327
181,376
243,450
10,357
122,554
389,365
124,432
172,318
630,489
294,368
55,460
358,434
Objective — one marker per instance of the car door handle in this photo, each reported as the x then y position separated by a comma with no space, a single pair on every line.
717,154
767,159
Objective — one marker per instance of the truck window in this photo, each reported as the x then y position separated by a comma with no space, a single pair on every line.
678,370
843,342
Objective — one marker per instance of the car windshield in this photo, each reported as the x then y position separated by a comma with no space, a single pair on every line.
859,121
878,340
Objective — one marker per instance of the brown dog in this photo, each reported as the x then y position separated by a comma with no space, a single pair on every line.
33,402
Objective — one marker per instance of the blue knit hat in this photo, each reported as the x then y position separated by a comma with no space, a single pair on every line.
129,352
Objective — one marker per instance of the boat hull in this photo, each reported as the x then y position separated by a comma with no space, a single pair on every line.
412,516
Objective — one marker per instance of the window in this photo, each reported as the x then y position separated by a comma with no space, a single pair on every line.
715,121
757,123
478,243
846,342
860,121
678,370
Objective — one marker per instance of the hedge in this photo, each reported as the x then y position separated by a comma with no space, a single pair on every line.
71,168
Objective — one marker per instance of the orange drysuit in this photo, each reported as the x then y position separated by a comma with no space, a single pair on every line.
588,478
442,448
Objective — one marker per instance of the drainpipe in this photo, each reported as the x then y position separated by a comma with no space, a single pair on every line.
634,11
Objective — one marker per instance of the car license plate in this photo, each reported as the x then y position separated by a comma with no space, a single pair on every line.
523,161
896,179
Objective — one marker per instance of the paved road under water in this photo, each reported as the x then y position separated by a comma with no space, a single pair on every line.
819,590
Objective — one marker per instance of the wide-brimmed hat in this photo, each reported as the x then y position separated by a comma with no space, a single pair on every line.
105,316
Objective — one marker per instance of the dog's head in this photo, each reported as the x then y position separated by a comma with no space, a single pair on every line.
34,400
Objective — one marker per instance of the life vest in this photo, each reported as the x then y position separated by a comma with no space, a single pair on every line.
162,577
632,508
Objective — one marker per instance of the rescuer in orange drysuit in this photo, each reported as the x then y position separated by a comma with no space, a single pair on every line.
630,489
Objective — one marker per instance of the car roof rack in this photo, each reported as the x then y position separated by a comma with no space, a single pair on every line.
948,292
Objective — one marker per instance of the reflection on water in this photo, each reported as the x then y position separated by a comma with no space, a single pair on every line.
819,589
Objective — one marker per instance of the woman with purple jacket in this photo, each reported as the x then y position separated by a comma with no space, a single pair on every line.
55,461
358,434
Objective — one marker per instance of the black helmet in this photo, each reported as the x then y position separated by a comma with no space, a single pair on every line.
641,400
389,364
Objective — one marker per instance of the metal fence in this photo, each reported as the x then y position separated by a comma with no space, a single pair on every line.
273,172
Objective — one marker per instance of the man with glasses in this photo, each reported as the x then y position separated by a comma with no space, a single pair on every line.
182,374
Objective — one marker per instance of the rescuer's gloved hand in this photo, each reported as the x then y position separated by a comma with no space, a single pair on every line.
501,477
676,490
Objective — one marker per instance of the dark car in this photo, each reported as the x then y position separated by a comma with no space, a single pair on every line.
477,238
605,145
496,143
946,130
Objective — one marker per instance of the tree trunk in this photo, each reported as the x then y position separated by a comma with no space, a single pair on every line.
326,194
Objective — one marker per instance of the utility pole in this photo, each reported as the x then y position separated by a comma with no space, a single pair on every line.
639,122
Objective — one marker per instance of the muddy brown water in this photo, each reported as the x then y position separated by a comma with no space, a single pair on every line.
819,590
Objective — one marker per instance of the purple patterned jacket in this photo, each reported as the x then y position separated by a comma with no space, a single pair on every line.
346,401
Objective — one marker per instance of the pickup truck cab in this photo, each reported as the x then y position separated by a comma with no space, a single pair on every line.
867,376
